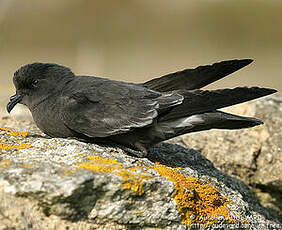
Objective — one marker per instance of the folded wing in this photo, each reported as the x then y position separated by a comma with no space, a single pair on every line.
114,108
200,101
197,78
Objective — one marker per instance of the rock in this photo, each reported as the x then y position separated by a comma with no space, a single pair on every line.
53,183
253,154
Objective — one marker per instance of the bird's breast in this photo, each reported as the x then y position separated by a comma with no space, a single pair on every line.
48,118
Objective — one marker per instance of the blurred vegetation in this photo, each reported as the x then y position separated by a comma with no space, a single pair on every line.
137,40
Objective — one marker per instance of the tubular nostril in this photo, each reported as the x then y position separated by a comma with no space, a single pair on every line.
13,97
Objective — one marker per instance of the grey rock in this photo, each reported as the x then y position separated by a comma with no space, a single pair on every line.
254,154
52,183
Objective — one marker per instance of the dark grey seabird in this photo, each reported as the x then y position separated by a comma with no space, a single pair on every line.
135,116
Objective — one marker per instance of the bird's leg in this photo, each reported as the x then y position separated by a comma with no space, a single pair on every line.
141,152
141,148
136,153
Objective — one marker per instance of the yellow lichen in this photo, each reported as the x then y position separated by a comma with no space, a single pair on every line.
197,202
25,165
100,164
132,180
9,146
13,132
71,171
5,164
14,146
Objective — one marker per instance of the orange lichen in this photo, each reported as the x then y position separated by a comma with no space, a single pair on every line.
13,132
132,180
196,201
25,165
68,172
9,146
5,164
100,164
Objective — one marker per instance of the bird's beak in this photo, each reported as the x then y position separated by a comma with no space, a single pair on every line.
15,99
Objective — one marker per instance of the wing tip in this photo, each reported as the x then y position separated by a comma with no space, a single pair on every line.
246,61
254,91
265,91
240,63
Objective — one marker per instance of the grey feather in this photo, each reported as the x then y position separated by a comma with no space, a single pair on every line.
199,101
102,108
197,78
133,115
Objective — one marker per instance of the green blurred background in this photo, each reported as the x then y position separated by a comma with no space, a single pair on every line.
136,40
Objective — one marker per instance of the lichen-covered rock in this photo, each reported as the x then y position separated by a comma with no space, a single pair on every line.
255,155
53,183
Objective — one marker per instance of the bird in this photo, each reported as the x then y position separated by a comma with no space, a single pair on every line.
135,116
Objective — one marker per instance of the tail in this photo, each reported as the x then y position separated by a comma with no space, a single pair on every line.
199,112
197,78
210,120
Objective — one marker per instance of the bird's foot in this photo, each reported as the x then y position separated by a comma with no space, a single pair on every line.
137,153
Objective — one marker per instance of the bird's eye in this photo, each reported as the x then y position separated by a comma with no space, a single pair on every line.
34,83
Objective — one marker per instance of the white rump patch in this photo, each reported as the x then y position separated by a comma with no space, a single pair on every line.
185,122
169,127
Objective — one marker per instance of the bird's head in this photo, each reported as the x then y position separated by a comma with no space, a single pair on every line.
34,82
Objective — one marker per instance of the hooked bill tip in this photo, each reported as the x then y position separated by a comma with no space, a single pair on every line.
15,99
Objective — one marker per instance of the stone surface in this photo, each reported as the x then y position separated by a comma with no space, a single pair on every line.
253,154
52,183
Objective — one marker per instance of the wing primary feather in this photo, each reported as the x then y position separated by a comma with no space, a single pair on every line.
200,101
196,78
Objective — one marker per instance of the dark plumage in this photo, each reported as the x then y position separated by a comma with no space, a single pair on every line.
136,116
